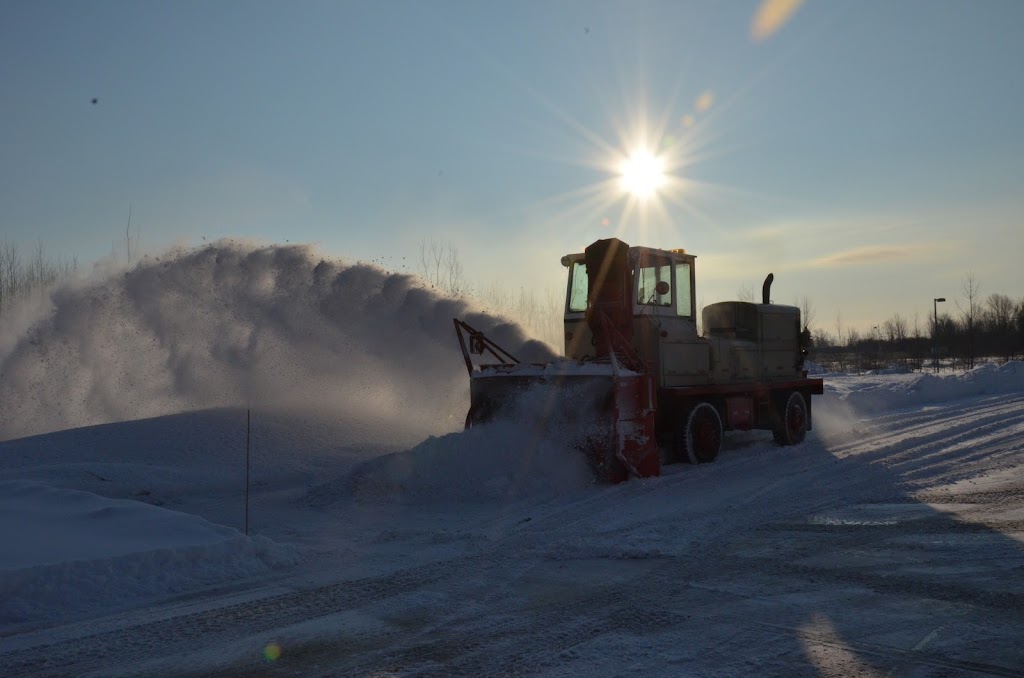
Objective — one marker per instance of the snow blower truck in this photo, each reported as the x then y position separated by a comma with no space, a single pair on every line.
638,380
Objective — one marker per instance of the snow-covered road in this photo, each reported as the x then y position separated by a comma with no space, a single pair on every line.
890,543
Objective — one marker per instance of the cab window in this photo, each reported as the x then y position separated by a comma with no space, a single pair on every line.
684,306
647,283
578,287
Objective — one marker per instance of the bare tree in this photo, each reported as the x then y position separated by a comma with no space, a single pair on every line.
19,279
542,318
12,270
441,267
895,328
456,284
431,256
1001,316
969,311
806,312
917,343
1019,325
841,343
745,293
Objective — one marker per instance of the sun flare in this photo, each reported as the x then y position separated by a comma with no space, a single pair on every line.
642,174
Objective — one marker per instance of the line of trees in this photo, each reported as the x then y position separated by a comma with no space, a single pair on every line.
989,328
22,277
440,265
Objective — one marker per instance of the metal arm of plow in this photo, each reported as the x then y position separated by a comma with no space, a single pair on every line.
617,347
479,344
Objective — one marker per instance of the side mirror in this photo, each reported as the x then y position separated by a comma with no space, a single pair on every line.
662,288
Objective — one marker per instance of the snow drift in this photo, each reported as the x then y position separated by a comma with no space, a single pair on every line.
848,398
68,552
234,324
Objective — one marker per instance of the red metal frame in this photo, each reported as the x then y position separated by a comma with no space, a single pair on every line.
478,344
815,386
618,349
636,443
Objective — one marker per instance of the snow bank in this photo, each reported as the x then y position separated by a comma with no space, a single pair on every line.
848,398
67,551
234,324
921,389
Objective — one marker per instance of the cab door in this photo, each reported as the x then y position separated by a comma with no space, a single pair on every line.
667,320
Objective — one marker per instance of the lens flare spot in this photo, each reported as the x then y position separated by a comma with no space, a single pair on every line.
705,101
642,174
272,652
688,121
771,16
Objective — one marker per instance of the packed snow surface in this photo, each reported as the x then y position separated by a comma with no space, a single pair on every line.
384,540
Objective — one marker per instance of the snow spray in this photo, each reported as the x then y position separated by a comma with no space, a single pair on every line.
233,324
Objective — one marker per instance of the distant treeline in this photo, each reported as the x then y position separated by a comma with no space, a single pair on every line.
440,265
989,329
21,277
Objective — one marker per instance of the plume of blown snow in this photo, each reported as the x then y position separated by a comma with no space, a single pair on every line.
500,460
236,324
536,446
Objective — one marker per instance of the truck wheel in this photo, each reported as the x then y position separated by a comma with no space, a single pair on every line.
790,421
702,434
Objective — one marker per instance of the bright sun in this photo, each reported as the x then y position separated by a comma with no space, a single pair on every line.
642,174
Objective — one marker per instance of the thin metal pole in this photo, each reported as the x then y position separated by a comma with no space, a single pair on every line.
935,330
247,457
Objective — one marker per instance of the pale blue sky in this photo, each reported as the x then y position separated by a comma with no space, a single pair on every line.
869,152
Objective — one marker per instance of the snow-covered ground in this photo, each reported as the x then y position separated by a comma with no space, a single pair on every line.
890,543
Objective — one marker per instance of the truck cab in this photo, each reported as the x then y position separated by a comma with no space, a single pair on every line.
649,295
660,298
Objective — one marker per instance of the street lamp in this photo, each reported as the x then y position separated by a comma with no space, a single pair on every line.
935,331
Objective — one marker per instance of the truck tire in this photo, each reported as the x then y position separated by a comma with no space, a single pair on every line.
701,434
790,420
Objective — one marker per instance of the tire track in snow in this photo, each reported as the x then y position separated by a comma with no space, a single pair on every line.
181,635
930,448
521,639
930,425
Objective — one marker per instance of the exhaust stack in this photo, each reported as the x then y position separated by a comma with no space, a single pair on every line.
766,289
